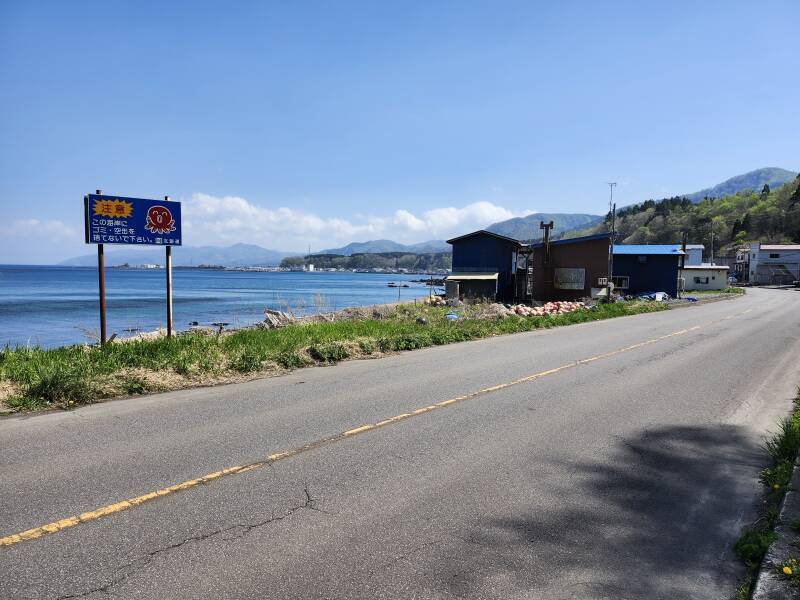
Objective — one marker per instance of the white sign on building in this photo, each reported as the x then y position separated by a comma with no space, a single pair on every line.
569,279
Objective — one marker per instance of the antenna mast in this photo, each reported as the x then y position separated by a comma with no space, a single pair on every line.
612,209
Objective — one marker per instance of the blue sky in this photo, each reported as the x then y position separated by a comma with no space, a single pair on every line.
289,124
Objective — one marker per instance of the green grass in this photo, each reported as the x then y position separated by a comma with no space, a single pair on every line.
727,290
68,376
783,448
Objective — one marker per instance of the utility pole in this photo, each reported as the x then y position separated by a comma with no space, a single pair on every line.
612,208
712,240
547,278
681,271
547,227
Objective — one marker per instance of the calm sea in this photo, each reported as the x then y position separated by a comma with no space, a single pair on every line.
54,306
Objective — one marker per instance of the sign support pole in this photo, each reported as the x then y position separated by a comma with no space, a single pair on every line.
101,281
168,269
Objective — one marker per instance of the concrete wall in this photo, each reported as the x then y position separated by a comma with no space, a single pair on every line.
705,279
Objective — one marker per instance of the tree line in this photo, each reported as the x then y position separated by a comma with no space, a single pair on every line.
377,260
771,216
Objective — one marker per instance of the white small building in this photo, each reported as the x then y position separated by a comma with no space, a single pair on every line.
694,254
704,277
765,264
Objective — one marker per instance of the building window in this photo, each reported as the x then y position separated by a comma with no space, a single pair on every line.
774,255
701,279
621,282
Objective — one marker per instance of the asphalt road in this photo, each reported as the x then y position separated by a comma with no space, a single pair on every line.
616,459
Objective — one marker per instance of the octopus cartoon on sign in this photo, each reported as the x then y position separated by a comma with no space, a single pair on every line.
159,220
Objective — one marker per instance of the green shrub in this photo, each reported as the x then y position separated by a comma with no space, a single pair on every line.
410,341
753,545
60,384
329,352
183,365
134,385
785,444
366,346
290,360
777,475
246,361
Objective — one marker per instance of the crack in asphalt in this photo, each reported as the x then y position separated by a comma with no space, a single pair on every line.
407,554
241,530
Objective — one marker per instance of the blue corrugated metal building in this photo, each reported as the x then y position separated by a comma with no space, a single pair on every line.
485,253
647,268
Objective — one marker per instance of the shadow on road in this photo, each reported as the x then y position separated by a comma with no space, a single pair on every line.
656,521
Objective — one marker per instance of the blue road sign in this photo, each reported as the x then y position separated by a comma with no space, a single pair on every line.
119,220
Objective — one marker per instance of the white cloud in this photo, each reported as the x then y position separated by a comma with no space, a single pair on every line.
449,220
405,219
228,219
51,229
214,220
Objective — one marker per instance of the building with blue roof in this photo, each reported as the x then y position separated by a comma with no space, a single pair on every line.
647,268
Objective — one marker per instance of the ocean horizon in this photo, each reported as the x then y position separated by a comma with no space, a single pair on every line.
52,305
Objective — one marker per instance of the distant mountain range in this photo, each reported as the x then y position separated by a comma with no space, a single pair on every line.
238,255
377,246
527,228
754,180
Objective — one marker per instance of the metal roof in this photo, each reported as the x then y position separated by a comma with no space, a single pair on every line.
790,247
473,276
483,232
577,240
648,249
707,267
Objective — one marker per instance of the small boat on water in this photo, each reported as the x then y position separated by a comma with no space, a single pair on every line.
392,284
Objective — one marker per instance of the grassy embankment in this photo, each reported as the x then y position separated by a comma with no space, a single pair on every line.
33,378
783,448
727,290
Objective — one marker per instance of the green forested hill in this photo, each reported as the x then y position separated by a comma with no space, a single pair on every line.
527,228
766,216
754,180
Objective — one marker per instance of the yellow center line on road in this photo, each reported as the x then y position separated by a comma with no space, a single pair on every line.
104,511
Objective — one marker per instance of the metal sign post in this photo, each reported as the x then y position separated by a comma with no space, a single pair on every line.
101,284
168,268
131,221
